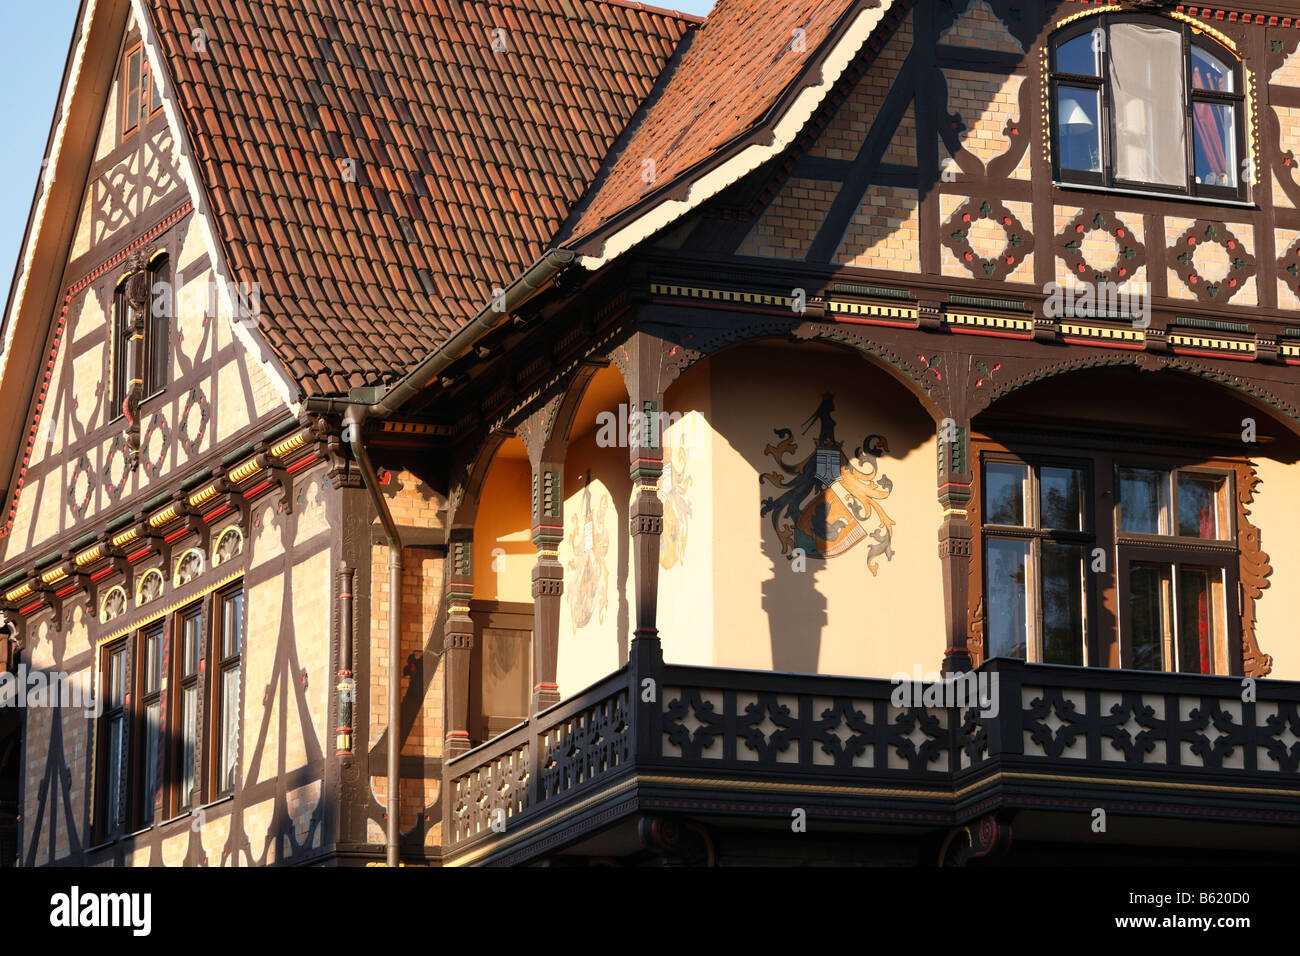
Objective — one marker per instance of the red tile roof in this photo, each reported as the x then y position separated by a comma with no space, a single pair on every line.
467,160
732,71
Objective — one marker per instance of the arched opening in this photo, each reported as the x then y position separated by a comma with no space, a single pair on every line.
810,515
1133,519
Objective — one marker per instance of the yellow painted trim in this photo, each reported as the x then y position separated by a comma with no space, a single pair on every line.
870,308
53,577
19,592
125,538
1202,342
720,295
245,471
1113,8
163,517
1103,332
989,321
291,444
89,556
145,577
168,609
205,494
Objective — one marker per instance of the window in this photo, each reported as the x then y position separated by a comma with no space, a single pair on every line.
1177,568
145,753
185,705
149,730
1092,552
1144,103
157,337
155,366
139,92
121,374
1037,539
112,739
227,644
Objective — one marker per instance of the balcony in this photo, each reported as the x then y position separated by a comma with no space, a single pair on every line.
749,744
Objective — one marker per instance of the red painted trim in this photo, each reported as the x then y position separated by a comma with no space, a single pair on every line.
1094,344
132,558
1218,355
216,513
299,465
1018,336
101,574
31,608
68,590
256,490
853,320
176,534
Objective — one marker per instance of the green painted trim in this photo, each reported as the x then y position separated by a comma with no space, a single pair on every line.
984,302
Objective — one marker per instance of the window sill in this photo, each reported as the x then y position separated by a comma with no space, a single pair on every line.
220,800
1146,194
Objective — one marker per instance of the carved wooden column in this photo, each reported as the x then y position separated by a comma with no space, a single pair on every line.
458,639
138,301
955,538
548,579
642,365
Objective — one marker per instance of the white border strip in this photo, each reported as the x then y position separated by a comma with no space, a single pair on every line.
754,155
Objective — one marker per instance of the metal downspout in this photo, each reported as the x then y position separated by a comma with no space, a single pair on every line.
352,421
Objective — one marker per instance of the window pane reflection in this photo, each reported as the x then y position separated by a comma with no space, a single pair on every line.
1062,603
1143,500
1078,128
1149,607
1006,623
1005,490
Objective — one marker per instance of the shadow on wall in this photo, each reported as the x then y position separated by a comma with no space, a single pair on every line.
825,447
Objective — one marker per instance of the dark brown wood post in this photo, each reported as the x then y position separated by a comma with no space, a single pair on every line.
641,362
955,538
458,639
548,578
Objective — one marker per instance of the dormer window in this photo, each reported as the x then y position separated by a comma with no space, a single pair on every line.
1146,104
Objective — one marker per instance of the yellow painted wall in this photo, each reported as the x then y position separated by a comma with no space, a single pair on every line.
836,617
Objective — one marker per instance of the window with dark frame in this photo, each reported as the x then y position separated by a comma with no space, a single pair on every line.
1170,572
1141,102
112,739
139,756
157,338
1037,540
188,687
149,730
139,92
1176,561
227,644
121,372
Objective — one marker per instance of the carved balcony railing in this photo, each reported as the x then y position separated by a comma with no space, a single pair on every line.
696,739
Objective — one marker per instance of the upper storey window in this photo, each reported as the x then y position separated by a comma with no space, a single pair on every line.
1143,103
139,93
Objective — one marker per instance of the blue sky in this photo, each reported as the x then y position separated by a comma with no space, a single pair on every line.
36,36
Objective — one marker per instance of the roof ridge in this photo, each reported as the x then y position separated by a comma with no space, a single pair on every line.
662,11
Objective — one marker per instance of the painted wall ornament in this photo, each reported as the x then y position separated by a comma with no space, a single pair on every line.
588,568
673,484
830,502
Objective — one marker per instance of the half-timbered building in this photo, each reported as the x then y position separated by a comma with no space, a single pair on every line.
570,432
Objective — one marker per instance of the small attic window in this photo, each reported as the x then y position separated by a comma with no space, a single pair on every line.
139,93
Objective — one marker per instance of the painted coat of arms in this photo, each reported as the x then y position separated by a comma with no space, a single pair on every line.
829,501
673,484
588,570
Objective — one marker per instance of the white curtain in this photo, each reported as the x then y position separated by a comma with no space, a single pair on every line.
1146,75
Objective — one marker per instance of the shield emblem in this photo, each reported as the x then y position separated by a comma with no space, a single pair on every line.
828,466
